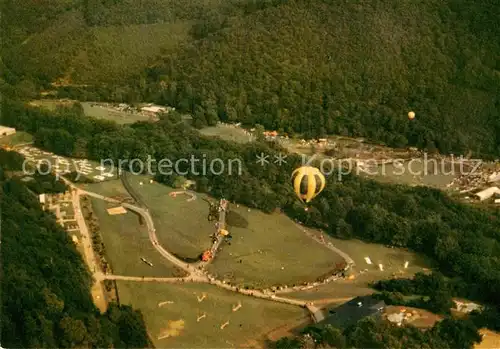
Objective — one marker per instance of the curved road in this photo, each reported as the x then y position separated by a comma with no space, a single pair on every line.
194,274
151,231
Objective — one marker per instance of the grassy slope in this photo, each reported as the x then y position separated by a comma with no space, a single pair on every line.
250,323
183,229
126,241
182,226
19,137
273,251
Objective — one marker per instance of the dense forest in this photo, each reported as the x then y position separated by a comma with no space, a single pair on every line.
319,67
46,300
310,67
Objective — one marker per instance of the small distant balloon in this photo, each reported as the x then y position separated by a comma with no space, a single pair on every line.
411,115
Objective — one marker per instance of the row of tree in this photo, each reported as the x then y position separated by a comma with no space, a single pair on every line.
368,333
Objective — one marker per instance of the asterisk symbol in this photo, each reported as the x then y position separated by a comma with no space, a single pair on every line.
262,159
280,159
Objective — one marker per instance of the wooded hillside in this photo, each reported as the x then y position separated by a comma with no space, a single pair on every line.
46,300
313,67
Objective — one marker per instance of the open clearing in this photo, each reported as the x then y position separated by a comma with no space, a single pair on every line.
17,138
182,227
94,110
271,248
392,259
112,188
423,172
490,340
247,325
227,133
420,318
272,251
120,117
126,241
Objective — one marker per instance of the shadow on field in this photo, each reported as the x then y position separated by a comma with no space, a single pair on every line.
236,220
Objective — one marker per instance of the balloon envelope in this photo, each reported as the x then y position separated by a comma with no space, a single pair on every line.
411,115
307,182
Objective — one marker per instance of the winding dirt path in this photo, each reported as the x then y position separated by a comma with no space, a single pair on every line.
97,290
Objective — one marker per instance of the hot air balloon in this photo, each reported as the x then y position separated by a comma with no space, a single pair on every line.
411,115
308,182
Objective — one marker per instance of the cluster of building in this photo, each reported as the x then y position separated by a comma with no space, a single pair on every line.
150,110
469,182
61,205
487,181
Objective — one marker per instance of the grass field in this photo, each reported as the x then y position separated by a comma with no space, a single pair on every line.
109,188
247,326
393,260
272,251
422,172
126,241
17,138
112,115
182,227
271,248
490,339
227,133
95,111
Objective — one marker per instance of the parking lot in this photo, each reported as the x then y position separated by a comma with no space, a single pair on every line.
49,162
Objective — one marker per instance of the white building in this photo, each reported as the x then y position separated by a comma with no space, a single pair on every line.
41,198
487,193
6,131
153,109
